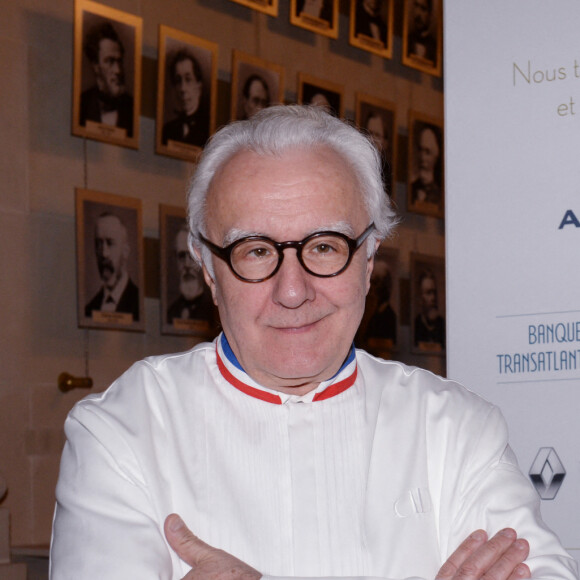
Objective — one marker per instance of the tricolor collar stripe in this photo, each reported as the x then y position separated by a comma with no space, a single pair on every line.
234,375
256,393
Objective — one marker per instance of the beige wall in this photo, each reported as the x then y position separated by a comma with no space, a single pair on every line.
41,164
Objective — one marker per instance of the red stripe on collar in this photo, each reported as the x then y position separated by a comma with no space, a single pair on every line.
328,393
336,388
256,393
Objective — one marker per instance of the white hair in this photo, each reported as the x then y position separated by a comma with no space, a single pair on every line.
277,129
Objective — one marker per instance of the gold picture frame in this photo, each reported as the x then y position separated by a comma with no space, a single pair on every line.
110,261
186,94
106,74
256,84
423,35
372,29
320,16
269,7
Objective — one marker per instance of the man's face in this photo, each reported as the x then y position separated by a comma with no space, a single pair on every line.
187,87
428,151
111,248
377,132
429,296
108,70
190,282
294,330
257,98
421,15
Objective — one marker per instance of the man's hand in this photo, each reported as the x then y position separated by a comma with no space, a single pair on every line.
500,558
206,562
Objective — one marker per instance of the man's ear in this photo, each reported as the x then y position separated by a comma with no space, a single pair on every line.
371,265
210,282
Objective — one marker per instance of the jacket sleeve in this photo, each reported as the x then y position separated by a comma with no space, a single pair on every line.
494,494
104,526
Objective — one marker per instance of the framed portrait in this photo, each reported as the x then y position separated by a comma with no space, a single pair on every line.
423,35
371,26
256,84
377,118
314,91
106,74
186,94
320,16
266,6
427,304
425,184
110,271
186,303
379,329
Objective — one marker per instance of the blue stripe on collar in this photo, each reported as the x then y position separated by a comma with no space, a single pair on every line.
229,354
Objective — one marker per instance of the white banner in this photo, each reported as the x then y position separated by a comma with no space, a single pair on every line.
512,128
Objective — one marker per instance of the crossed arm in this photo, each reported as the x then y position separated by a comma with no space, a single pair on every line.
477,558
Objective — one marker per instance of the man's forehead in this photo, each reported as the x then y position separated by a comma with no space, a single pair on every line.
109,224
289,196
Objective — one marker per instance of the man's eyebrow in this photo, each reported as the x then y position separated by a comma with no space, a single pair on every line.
342,227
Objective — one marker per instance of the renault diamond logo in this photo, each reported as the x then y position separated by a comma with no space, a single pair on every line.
547,473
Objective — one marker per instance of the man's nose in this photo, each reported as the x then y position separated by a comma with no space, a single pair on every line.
292,283
105,250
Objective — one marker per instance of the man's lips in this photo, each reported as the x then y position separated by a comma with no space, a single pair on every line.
297,327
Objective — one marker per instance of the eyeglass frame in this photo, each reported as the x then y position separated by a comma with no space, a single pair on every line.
226,253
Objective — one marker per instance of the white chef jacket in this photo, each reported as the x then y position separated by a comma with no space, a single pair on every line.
382,471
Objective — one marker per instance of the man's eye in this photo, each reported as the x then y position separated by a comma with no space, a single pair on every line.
259,252
255,252
323,248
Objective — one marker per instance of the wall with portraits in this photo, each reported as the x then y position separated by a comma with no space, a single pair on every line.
62,170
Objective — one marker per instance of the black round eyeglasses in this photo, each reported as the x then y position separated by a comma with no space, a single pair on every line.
257,258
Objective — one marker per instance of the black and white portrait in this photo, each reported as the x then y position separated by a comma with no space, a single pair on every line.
186,93
256,84
376,118
371,26
186,303
422,32
107,74
428,303
425,184
110,261
378,332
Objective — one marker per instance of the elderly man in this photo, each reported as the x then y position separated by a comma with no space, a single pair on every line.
108,101
426,188
193,302
286,450
118,293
